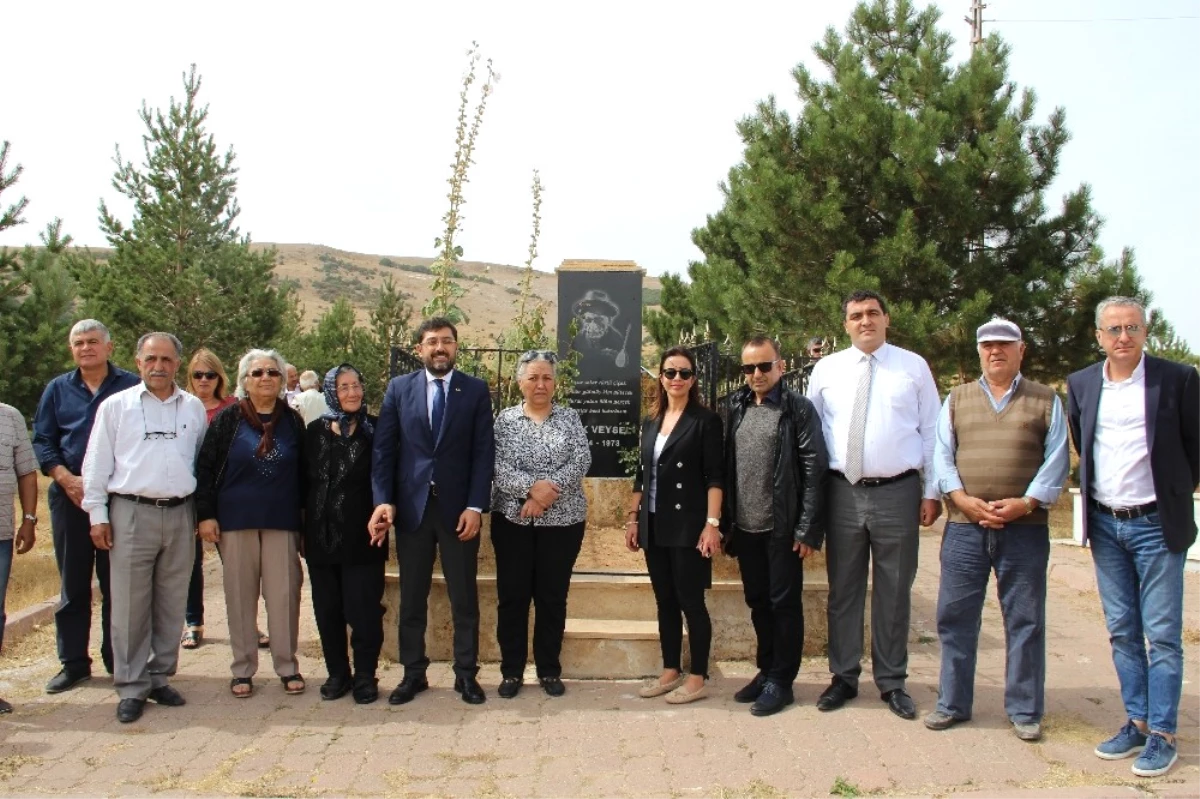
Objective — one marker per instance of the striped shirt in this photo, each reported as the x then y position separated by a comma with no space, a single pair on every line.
16,460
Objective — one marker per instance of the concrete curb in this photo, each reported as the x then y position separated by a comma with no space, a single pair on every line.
26,621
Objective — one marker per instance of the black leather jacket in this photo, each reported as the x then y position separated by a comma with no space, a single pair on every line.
800,466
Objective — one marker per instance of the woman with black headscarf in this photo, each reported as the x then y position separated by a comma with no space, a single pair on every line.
345,570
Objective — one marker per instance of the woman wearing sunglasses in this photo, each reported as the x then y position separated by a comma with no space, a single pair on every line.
674,519
207,382
248,499
538,516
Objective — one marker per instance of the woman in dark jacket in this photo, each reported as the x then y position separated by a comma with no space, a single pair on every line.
344,569
249,496
674,520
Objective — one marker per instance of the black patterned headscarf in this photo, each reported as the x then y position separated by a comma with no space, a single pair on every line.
335,406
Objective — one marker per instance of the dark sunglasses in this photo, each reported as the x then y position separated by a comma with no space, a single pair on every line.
204,375
764,367
267,372
685,374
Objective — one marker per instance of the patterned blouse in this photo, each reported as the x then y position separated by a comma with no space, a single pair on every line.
555,450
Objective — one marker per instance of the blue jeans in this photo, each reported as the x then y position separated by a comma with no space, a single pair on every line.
1019,554
6,556
1141,590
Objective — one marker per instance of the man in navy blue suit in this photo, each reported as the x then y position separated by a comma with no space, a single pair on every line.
433,456
1135,420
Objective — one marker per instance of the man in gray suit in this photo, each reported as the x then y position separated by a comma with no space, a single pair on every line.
139,476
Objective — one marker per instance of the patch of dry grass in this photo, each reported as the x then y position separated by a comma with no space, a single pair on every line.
35,574
1062,516
755,789
10,765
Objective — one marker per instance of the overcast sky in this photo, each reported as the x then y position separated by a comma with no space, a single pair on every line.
342,115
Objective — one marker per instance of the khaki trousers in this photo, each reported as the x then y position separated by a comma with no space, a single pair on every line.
266,562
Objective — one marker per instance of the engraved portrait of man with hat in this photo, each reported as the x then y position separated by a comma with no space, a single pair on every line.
599,342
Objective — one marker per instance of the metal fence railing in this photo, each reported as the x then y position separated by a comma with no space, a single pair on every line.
493,365
719,372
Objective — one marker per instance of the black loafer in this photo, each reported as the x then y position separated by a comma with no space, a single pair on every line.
166,695
509,687
407,689
553,686
366,688
335,688
5,706
66,680
129,710
900,703
472,694
835,696
751,690
772,699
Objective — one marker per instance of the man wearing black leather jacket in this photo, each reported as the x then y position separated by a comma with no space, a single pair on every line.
775,487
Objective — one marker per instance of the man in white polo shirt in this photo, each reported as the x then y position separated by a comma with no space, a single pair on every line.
878,406
139,475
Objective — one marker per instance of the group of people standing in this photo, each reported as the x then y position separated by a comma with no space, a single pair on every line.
867,457
144,472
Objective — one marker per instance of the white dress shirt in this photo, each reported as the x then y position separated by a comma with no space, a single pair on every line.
144,446
1122,476
901,413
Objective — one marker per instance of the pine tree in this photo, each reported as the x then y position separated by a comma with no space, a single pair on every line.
181,264
904,173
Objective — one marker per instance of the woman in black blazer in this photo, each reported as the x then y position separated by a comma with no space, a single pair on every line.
673,519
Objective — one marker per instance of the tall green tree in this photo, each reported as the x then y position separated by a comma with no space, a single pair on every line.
181,264
908,174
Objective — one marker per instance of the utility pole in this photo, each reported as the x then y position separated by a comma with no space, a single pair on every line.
976,23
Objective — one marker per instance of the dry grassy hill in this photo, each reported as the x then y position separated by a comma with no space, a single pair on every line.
322,274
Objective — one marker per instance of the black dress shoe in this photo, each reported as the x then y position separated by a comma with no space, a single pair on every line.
335,688
553,686
366,688
772,699
5,707
900,703
66,680
751,690
472,694
509,687
409,687
166,695
835,695
130,710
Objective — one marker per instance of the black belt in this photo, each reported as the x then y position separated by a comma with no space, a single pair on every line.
157,502
872,482
1125,513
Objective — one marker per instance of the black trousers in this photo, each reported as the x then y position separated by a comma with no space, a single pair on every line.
773,582
194,616
77,559
348,594
532,564
679,577
415,551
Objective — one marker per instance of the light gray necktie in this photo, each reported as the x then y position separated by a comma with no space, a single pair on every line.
858,422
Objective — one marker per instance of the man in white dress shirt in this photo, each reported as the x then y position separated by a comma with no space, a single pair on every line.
878,406
138,481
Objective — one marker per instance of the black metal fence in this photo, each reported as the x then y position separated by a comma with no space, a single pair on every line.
719,372
493,365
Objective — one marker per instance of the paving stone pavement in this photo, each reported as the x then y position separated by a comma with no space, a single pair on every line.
600,739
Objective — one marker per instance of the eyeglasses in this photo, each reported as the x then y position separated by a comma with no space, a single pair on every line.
764,367
538,355
1116,330
350,388
683,374
197,375
160,435
267,372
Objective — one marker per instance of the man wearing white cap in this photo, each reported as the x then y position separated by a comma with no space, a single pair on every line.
999,459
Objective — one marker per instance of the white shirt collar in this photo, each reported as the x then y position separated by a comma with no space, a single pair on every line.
430,377
880,353
175,392
1139,373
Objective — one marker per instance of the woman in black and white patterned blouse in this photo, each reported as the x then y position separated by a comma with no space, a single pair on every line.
538,516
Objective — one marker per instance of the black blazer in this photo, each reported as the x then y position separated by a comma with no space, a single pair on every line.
338,500
1172,435
407,456
691,463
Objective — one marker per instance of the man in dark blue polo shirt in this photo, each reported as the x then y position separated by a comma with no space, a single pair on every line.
60,435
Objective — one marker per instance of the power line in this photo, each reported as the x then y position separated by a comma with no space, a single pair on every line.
1099,19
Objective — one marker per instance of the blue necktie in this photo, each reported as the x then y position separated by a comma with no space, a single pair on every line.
439,407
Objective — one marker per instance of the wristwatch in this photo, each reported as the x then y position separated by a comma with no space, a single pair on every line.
714,521
29,517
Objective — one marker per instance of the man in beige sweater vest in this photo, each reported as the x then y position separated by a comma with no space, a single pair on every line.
999,459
